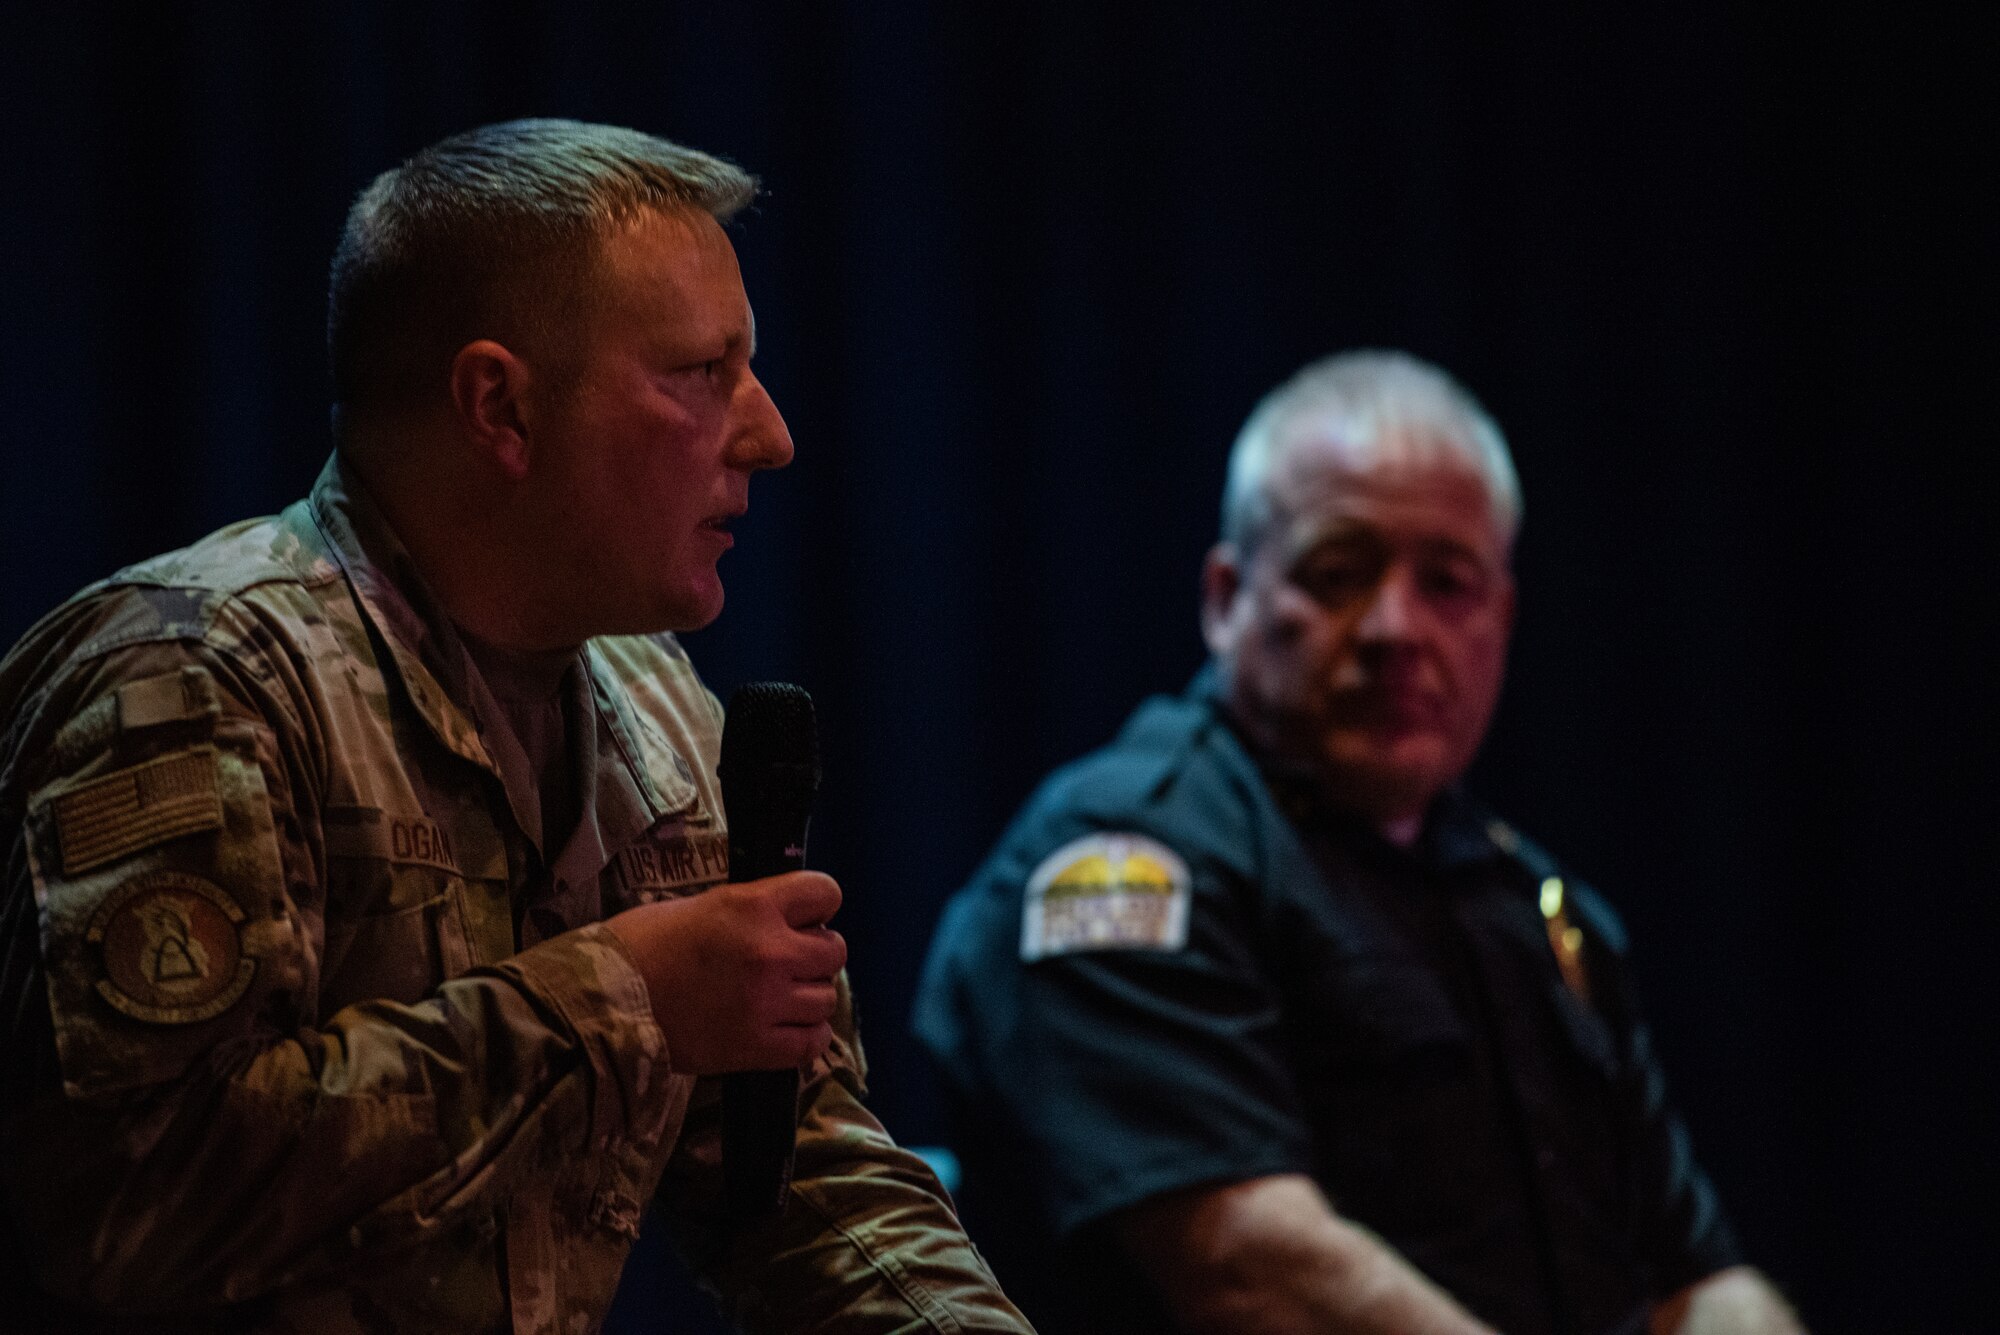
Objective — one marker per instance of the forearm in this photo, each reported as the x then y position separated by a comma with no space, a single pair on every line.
1375,1290
1736,1301
274,1159
1270,1257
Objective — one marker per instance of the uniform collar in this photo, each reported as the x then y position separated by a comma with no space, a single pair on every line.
637,776
1459,832
422,644
656,767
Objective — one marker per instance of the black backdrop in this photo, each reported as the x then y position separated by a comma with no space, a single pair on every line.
1020,270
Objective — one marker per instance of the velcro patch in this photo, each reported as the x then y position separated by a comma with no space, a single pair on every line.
170,697
1106,892
172,949
130,809
372,834
659,866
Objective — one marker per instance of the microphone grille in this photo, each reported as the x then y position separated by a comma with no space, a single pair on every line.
771,723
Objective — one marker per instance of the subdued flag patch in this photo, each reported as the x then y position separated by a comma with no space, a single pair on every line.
135,808
1106,892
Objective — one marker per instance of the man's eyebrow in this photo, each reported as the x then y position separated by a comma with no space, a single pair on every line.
1338,534
732,342
1451,549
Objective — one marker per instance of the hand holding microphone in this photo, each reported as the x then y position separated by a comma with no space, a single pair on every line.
741,976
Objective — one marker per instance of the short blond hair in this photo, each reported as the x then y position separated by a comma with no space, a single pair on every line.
494,233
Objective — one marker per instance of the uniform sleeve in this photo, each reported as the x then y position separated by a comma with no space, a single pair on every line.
867,1242
196,1132
1117,1071
1682,1231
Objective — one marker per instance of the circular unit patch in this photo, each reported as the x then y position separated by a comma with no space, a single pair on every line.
173,949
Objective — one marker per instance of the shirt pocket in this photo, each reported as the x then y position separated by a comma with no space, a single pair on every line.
1579,1022
409,905
1389,1074
1361,1017
1590,1038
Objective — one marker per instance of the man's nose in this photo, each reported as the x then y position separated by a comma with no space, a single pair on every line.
1392,615
759,437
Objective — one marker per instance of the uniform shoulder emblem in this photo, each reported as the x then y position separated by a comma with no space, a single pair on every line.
172,949
1106,892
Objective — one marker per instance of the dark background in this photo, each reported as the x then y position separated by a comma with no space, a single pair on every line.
1725,279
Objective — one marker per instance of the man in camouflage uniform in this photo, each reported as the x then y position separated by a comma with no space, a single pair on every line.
354,974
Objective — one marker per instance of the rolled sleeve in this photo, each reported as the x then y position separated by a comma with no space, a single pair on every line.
588,978
868,1241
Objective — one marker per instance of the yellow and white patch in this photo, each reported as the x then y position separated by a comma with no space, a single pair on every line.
1106,892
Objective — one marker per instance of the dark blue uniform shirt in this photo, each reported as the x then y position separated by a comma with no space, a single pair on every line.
1394,1023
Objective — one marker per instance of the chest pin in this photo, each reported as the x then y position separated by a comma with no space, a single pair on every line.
1565,939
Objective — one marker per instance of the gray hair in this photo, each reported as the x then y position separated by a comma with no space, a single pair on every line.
1368,394
494,233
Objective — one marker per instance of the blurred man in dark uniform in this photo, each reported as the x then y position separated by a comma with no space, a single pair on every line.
1265,1023
366,951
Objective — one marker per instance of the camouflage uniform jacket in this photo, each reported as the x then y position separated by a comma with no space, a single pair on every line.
303,1031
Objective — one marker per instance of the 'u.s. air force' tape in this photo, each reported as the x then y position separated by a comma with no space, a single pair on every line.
1106,892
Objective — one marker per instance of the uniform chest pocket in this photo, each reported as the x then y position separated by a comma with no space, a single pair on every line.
1388,1072
401,954
402,913
1589,1036
1365,1019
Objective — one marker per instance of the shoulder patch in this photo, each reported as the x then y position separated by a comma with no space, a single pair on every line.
170,697
1106,892
130,809
172,948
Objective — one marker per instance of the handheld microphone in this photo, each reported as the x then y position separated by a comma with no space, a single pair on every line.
770,775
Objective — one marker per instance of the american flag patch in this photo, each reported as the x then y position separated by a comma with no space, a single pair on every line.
123,812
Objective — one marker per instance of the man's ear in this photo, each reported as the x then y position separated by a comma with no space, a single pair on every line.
1221,581
488,386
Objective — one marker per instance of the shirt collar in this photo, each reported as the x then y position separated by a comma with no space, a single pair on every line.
422,644
1459,832
637,777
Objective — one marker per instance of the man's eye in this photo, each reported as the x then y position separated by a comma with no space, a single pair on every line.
707,372
1450,583
1330,583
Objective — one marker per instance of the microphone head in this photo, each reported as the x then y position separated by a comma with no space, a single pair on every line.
770,738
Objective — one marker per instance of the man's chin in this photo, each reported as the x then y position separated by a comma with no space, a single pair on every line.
694,613
1396,779
678,611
